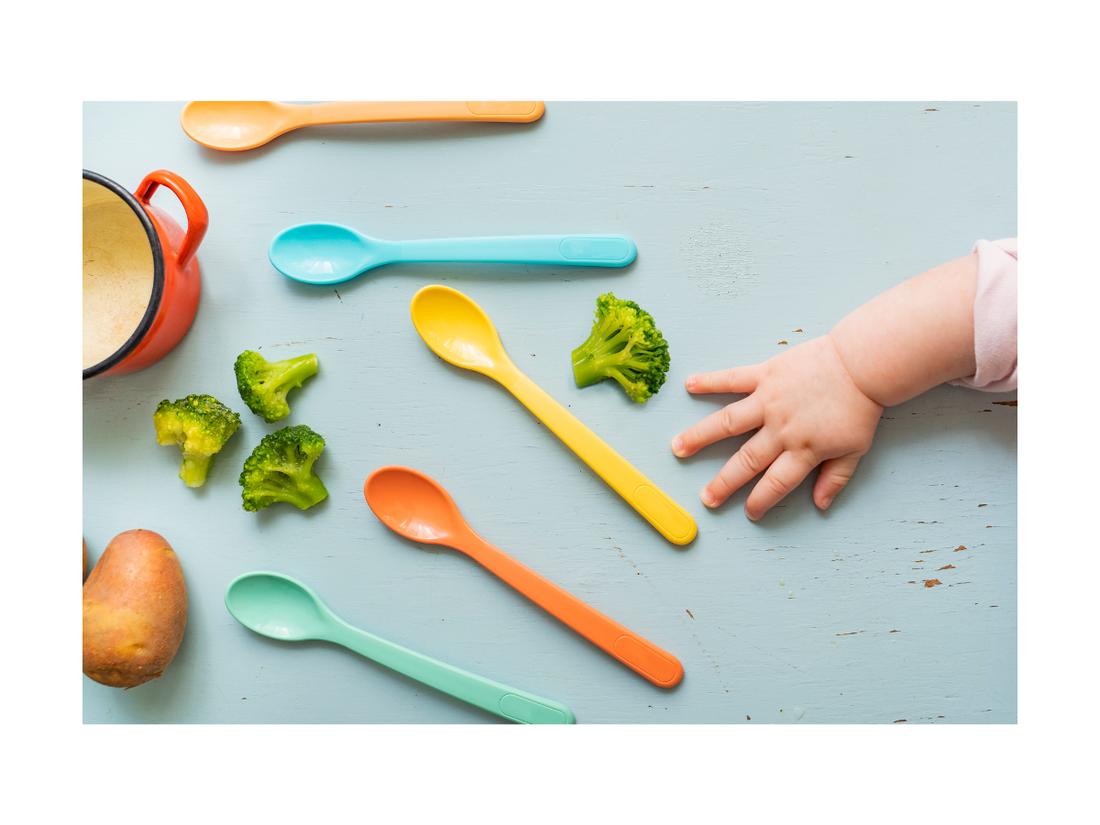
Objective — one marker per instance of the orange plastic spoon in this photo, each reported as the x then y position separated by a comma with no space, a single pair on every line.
234,125
417,507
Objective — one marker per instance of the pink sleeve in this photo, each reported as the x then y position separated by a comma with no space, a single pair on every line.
994,318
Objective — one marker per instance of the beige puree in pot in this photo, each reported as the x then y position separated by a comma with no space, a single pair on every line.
118,272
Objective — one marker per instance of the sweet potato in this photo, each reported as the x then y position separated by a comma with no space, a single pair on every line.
135,610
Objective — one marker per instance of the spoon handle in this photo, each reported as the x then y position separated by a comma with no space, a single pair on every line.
563,250
511,703
671,520
388,111
659,666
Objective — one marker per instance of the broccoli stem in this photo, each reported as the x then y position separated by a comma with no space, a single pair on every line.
596,369
601,340
194,468
301,368
305,497
590,342
588,372
594,359
303,491
630,386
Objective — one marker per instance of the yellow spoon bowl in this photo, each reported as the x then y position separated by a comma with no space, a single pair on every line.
458,331
234,125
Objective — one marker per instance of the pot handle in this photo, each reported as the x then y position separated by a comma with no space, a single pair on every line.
193,206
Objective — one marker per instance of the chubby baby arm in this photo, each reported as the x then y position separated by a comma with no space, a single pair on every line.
819,402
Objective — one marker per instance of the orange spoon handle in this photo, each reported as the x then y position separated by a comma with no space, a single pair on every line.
642,656
386,111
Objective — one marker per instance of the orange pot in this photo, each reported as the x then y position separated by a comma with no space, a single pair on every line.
141,278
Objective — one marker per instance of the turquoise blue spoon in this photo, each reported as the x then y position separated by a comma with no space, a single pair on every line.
280,607
328,253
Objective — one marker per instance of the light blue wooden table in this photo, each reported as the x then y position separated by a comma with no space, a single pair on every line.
756,224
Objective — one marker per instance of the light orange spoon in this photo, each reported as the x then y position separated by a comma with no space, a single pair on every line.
417,507
245,124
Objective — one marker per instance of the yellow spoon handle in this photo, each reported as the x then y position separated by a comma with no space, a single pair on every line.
671,520
383,111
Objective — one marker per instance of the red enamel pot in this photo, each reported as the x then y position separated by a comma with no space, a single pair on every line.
141,277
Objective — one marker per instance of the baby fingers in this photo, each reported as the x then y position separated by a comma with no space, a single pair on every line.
737,379
753,457
835,474
737,418
785,473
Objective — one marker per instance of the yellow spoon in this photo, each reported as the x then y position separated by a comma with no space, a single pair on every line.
459,331
245,124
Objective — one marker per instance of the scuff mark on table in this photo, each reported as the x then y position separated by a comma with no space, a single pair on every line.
720,260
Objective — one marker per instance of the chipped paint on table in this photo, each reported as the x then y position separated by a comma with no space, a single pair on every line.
758,226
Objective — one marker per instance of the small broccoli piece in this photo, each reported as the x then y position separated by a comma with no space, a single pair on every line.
200,425
625,345
281,469
263,385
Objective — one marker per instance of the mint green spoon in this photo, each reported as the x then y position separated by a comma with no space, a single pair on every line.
280,607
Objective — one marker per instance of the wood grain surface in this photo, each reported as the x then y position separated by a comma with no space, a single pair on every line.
758,226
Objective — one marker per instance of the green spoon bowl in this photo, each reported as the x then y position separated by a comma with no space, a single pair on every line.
278,606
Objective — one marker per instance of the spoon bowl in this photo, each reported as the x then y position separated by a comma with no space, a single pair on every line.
413,505
277,606
237,124
458,330
324,253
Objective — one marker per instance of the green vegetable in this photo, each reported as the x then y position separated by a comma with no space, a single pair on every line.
200,425
625,345
263,385
281,469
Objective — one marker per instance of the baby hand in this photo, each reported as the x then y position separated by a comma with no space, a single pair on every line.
806,410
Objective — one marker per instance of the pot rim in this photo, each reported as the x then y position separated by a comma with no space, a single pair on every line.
151,310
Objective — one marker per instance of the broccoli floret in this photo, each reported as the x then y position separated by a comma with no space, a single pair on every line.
625,345
281,469
200,425
263,385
